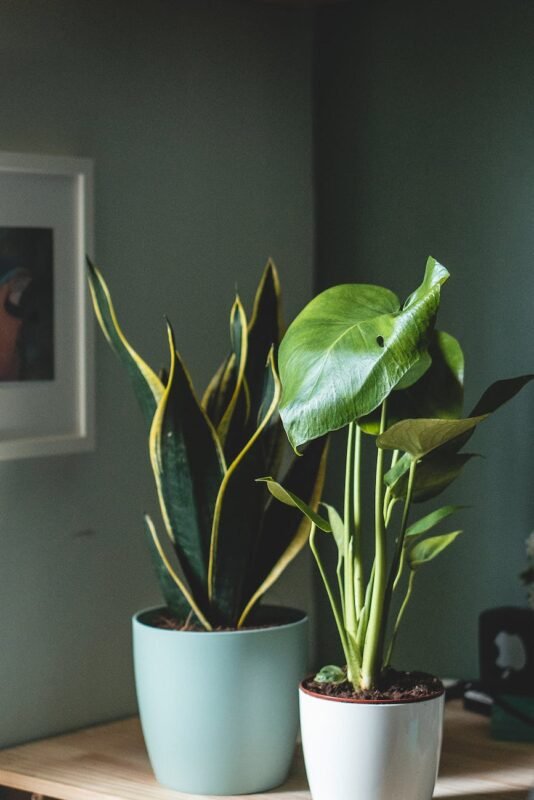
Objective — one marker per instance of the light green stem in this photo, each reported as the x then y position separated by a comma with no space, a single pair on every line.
348,543
400,616
388,506
357,522
364,616
397,558
398,561
370,662
333,604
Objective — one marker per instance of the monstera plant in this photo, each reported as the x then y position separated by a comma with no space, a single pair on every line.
226,542
357,358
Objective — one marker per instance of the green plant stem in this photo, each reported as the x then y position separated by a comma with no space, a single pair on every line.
333,604
357,524
370,661
399,548
388,506
400,616
364,616
339,571
348,576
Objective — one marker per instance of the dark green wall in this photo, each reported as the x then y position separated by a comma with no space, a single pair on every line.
198,116
424,144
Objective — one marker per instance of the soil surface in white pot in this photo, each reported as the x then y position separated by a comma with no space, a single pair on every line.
393,687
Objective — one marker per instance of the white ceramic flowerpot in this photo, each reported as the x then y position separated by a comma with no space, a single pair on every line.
357,750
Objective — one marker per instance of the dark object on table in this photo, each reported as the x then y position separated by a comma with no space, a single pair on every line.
506,650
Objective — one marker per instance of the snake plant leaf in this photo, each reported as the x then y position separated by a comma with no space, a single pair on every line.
419,437
188,467
438,393
427,549
433,475
291,499
284,531
219,390
237,518
177,596
348,349
430,521
264,331
147,386
239,341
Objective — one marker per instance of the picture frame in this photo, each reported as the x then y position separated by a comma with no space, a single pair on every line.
46,328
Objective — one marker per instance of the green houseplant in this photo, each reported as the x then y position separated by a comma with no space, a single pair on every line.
226,543
356,358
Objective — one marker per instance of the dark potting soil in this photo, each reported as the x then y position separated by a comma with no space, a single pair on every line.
169,623
392,686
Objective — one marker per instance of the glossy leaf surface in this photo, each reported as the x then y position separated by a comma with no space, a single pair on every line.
419,437
288,498
284,532
189,468
147,386
348,349
438,393
176,594
427,549
430,521
237,519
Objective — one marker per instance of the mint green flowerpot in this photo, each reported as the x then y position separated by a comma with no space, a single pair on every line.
219,710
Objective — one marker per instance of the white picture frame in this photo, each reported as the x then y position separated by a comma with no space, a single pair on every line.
50,412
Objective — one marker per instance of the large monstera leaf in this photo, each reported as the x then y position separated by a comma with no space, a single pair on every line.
349,348
438,393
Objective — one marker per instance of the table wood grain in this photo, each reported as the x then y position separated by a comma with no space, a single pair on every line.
109,762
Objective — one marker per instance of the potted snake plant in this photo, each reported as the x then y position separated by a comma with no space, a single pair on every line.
215,669
355,358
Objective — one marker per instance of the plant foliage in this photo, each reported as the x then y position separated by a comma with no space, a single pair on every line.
226,540
356,358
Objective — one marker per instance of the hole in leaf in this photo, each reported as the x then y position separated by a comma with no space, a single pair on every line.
380,341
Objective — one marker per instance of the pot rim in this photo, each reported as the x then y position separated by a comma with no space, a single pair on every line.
302,620
405,701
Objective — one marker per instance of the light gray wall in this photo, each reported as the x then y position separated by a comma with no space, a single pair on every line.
198,116
424,145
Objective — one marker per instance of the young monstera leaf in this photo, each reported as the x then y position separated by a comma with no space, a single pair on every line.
348,349
419,437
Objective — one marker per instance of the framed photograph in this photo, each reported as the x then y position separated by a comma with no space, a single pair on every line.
46,326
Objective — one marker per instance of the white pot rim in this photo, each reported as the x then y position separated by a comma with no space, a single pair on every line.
405,701
300,618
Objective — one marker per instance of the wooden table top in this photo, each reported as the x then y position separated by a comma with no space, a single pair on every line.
109,762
